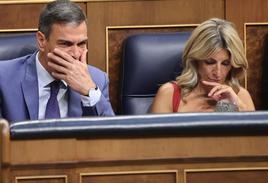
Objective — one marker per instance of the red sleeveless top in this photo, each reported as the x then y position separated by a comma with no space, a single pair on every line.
176,97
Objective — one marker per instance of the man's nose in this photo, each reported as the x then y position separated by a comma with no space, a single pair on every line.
75,52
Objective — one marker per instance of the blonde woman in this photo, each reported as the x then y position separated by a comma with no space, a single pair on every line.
213,61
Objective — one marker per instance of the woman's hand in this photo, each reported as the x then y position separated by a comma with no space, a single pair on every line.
222,91
242,99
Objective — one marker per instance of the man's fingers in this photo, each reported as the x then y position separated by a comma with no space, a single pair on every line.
58,76
57,68
57,60
62,54
84,56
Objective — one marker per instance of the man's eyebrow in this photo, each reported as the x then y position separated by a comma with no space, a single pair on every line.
70,42
64,41
83,41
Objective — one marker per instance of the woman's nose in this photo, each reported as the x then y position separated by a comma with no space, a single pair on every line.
217,70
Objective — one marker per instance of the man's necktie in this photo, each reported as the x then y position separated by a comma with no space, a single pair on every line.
52,108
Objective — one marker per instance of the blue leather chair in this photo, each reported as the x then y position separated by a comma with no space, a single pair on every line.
13,45
148,61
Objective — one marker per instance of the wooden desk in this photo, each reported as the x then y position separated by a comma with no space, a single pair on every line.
137,159
4,152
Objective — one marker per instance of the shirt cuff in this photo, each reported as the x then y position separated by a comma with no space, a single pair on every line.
90,101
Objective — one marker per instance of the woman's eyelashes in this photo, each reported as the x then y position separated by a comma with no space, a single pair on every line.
226,63
211,62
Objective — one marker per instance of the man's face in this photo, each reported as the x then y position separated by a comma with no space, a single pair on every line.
70,38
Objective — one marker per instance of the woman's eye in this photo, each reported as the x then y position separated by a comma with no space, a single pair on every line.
210,62
226,63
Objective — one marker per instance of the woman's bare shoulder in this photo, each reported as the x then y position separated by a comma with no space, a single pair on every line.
245,97
163,100
166,88
243,91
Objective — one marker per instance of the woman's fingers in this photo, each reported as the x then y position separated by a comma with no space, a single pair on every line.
209,83
219,91
215,87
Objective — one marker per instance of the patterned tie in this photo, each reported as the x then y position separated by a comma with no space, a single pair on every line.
52,109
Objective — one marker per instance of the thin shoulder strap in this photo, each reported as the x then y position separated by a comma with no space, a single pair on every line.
176,97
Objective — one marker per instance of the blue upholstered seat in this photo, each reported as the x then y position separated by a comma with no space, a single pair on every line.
13,45
148,61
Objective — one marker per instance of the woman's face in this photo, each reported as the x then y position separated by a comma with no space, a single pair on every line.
216,68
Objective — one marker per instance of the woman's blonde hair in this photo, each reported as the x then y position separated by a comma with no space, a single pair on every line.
207,39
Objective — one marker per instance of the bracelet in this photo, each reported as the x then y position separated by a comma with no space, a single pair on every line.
224,106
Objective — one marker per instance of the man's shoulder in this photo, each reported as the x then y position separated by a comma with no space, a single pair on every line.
15,66
14,62
97,73
99,77
95,70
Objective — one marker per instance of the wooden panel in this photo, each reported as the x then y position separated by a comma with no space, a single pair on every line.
254,37
4,151
154,12
115,38
230,176
138,155
48,151
22,16
52,180
141,148
42,179
130,177
242,11
171,147
245,11
41,173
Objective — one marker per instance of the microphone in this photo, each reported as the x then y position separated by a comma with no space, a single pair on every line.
225,106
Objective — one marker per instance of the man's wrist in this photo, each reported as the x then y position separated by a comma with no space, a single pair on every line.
91,91
92,98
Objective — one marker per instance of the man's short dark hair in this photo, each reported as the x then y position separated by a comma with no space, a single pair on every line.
59,11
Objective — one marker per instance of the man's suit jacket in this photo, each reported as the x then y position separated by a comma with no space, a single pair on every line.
19,92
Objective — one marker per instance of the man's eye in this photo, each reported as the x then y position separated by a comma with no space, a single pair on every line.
82,44
65,44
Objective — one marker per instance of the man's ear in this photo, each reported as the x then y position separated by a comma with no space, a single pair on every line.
41,40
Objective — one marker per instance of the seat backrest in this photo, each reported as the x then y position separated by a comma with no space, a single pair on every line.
13,45
149,60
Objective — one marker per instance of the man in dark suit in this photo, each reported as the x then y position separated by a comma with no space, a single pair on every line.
55,81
